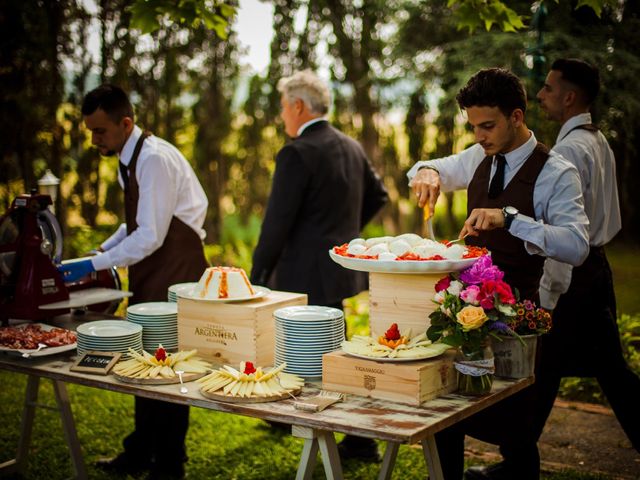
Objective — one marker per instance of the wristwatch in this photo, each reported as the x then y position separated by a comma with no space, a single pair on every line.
509,214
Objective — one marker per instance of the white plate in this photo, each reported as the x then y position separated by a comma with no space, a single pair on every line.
401,266
259,293
45,351
387,359
109,328
153,309
308,313
308,333
182,287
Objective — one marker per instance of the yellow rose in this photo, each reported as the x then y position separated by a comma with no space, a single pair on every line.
471,318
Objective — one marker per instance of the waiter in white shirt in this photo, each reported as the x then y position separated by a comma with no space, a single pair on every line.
584,340
161,243
524,204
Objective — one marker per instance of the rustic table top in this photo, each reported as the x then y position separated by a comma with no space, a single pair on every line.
366,417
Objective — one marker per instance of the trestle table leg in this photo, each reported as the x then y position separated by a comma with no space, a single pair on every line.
315,439
69,428
389,460
430,451
19,464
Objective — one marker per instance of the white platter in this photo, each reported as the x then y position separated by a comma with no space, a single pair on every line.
45,351
259,293
153,309
396,359
109,328
308,313
401,266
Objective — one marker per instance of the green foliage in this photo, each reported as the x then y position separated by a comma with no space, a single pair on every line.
471,14
237,242
474,14
148,15
79,241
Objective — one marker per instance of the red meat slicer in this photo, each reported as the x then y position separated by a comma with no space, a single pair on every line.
30,249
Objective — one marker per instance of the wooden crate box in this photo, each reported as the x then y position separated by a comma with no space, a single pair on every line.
227,333
405,299
405,382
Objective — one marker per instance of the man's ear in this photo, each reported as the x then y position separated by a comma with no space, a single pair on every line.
127,123
299,106
570,98
517,117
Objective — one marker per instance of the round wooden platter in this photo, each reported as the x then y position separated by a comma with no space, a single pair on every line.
230,399
186,377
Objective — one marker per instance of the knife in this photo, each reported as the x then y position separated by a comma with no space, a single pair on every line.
427,225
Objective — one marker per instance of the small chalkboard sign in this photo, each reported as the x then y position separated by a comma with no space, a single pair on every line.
96,362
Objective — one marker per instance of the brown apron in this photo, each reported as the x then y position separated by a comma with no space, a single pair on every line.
521,270
179,259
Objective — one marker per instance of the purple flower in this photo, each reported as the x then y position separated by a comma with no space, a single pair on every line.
500,326
482,270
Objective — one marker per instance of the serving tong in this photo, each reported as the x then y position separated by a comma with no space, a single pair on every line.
40,347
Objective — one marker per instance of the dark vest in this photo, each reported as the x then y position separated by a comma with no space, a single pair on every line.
179,259
521,270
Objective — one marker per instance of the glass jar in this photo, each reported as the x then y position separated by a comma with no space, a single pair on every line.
475,369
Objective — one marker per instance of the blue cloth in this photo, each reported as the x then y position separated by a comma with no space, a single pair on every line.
73,271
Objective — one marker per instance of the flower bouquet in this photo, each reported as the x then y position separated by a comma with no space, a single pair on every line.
474,304
515,358
529,319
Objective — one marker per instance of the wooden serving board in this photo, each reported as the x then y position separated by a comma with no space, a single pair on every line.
230,399
186,377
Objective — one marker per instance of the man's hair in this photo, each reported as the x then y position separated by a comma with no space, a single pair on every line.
494,87
109,98
580,74
308,87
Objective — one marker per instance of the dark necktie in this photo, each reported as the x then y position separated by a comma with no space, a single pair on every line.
497,182
124,173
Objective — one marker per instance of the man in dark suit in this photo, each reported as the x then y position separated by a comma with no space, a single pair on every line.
324,192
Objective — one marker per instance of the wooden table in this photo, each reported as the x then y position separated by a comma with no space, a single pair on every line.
391,422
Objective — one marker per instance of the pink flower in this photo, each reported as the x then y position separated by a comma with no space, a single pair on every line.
443,284
470,294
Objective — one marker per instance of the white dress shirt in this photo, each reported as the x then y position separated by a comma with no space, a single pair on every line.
305,125
168,187
561,229
592,156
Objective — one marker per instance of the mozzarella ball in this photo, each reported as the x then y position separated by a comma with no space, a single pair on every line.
370,242
399,247
377,249
411,238
356,241
387,256
356,249
454,252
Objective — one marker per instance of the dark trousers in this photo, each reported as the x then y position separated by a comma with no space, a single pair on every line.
159,435
584,342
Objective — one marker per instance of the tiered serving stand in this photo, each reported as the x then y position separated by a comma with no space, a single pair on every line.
401,291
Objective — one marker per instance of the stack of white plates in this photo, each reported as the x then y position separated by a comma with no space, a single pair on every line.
109,336
178,288
304,334
159,322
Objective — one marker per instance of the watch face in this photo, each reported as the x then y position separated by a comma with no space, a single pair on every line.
511,210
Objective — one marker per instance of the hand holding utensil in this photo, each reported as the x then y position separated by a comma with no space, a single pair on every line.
428,225
451,242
